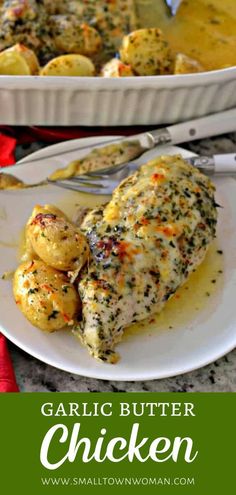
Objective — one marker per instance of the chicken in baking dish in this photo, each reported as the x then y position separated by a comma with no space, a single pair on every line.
49,28
83,38
132,254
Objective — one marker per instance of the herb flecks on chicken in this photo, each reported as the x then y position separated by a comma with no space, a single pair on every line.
33,23
144,244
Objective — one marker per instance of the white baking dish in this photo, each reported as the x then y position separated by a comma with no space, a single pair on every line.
29,100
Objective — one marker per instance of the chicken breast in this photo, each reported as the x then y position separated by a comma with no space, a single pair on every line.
144,244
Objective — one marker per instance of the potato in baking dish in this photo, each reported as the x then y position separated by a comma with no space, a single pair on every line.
116,68
186,65
70,36
18,60
113,19
147,52
55,240
69,65
45,296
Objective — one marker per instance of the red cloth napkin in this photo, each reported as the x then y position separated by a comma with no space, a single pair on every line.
25,135
7,149
7,376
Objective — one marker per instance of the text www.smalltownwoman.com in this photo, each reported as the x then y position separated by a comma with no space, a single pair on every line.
118,481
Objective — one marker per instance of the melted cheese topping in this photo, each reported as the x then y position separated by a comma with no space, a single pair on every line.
144,244
31,23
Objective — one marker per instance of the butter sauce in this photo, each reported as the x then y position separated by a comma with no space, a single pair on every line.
187,303
202,29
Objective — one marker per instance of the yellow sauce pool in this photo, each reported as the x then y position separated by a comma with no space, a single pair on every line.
202,29
195,295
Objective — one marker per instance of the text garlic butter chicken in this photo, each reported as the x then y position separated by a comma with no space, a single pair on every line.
118,38
123,262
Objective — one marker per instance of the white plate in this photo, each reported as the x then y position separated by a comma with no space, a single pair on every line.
208,334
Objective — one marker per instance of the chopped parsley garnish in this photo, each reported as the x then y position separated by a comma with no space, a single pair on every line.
53,315
32,291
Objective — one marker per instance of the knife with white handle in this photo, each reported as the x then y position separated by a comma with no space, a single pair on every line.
211,125
208,126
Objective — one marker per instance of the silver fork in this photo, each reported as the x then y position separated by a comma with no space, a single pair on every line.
108,179
173,5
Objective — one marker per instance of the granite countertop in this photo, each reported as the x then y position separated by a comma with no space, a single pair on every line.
35,376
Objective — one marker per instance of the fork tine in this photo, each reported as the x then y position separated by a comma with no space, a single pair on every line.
88,177
88,181
109,170
79,187
85,182
64,185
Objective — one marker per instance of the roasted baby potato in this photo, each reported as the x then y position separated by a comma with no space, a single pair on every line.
70,36
28,252
116,68
69,65
186,65
18,60
45,296
57,241
147,52
46,209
